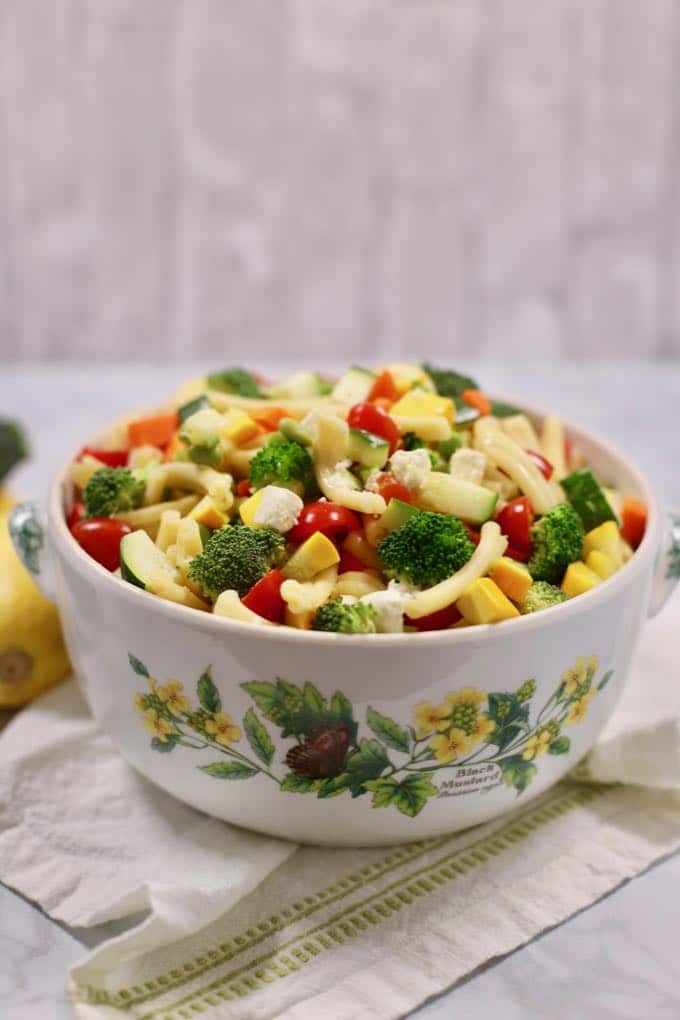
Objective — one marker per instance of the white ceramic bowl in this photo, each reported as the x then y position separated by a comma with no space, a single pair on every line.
210,709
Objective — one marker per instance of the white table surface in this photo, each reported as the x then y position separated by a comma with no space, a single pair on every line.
618,960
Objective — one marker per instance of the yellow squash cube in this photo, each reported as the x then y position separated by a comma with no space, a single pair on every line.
605,538
418,404
603,565
314,555
205,512
238,427
303,620
484,602
248,508
579,579
513,578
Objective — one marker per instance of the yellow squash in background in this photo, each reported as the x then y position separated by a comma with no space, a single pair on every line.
32,652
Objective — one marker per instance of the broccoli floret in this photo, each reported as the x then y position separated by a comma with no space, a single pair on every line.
235,380
112,490
412,441
13,446
346,618
541,595
558,541
236,558
427,549
283,462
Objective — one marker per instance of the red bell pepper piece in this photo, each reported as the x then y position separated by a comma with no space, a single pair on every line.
440,620
112,458
543,465
264,598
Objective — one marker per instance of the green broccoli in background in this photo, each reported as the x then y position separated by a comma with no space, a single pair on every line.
558,541
346,617
235,558
541,595
427,549
285,463
112,490
235,380
13,446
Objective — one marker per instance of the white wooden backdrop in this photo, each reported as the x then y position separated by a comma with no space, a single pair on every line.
226,178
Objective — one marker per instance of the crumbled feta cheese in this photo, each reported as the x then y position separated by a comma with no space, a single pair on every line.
389,607
411,467
279,508
371,483
468,465
340,477
403,588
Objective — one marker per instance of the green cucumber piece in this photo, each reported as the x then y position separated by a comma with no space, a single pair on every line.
585,494
300,386
140,559
448,495
354,386
367,449
292,429
191,407
396,514
448,447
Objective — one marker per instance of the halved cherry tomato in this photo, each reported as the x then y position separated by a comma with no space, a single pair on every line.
374,419
473,535
633,521
331,519
243,487
521,555
77,514
543,465
440,620
384,387
112,458
348,561
389,488
264,598
100,538
515,520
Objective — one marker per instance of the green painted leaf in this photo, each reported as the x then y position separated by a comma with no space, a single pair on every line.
258,738
503,736
280,703
408,795
560,746
387,730
510,715
605,679
341,708
336,785
369,760
208,695
164,745
517,772
292,783
137,665
228,770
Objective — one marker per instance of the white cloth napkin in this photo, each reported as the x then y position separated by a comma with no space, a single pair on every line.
224,923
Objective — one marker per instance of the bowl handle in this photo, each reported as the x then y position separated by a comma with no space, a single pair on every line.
667,569
28,531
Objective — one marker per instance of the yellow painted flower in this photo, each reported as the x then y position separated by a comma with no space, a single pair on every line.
579,708
222,728
429,717
467,696
483,728
156,724
537,745
449,746
139,703
574,677
171,697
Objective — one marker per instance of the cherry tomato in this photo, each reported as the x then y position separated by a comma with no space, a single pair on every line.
389,488
77,514
543,465
473,535
374,419
243,487
100,538
264,598
112,458
515,521
440,620
521,555
348,561
331,519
